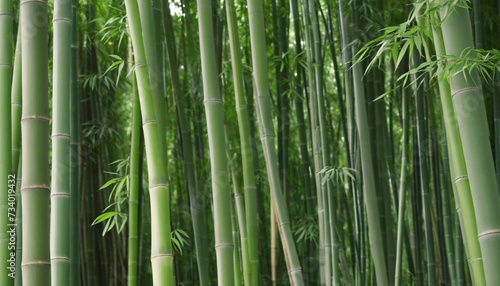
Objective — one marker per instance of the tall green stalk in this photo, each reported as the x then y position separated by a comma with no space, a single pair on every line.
16,103
161,247
74,157
217,146
133,211
240,235
371,201
324,230
60,195
35,190
402,189
424,181
246,146
16,150
468,101
330,223
263,104
460,179
6,28
195,194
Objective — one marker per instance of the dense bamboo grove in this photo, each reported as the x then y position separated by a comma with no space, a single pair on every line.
249,142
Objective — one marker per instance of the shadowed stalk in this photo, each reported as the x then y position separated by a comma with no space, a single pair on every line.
133,211
402,189
246,147
263,106
195,193
74,157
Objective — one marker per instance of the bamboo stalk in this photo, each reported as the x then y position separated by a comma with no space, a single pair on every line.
74,157
133,217
6,166
246,147
60,194
468,102
195,197
402,190
216,140
161,246
35,189
263,104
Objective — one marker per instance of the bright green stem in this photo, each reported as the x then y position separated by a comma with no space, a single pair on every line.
6,166
35,190
470,112
239,226
264,115
133,209
16,105
246,147
217,146
161,246
371,201
402,190
457,162
60,193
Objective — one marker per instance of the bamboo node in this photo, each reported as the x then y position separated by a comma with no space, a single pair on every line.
465,89
30,1
149,122
139,65
295,270
15,103
475,259
490,232
35,263
60,194
61,19
35,117
6,14
241,107
161,255
461,178
212,100
222,245
157,186
35,187
61,135
283,223
59,258
265,136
